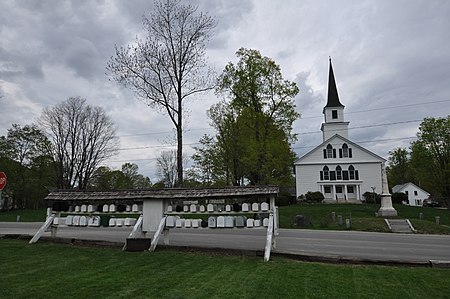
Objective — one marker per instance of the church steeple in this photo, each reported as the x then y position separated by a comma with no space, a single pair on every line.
333,111
333,97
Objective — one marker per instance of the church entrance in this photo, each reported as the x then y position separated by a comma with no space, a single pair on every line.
341,192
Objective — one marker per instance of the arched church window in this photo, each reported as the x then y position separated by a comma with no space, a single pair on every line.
326,173
339,172
353,173
345,151
329,152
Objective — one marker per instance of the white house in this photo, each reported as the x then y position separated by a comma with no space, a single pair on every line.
339,168
416,195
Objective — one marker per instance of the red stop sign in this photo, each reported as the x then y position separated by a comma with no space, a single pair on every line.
2,180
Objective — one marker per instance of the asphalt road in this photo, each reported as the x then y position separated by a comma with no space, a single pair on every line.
334,244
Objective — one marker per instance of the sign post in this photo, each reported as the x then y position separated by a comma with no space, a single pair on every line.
2,185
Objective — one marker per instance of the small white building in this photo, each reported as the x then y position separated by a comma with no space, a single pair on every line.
339,168
416,195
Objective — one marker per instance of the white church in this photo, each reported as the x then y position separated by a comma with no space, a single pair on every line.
339,168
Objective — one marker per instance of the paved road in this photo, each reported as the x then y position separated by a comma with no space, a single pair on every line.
343,244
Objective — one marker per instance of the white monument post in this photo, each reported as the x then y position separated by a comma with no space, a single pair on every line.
386,209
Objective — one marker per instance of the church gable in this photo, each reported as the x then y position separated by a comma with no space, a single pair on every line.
338,149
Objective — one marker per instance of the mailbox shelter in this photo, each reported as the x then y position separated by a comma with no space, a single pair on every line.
153,212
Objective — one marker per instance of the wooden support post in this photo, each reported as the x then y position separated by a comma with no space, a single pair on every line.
53,227
137,229
274,209
272,202
157,235
269,239
43,228
276,220
275,228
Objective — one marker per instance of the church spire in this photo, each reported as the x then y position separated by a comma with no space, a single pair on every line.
333,98
333,112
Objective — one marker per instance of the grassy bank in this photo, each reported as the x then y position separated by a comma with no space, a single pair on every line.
48,270
363,217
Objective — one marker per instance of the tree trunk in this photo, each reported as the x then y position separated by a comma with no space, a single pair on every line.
179,127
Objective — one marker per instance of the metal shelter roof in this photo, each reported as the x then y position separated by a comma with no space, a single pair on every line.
172,193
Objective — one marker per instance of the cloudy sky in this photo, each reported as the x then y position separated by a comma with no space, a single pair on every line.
391,61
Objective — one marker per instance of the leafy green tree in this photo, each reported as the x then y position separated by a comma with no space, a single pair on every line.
25,158
213,165
430,157
218,157
254,128
399,168
255,84
278,157
206,168
138,181
105,178
23,144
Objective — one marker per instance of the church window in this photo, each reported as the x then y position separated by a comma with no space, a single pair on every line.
338,173
327,189
329,151
345,151
326,173
351,171
338,189
334,114
350,189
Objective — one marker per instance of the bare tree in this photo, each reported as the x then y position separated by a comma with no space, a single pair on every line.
166,166
83,137
170,64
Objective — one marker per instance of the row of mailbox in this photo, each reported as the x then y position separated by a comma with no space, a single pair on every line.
216,222
245,207
112,208
77,220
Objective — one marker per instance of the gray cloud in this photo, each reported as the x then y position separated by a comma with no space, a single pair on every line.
385,53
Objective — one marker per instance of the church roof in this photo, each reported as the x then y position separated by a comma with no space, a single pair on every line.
333,98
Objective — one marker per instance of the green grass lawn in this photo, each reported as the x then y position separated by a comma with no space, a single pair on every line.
25,215
46,270
363,217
